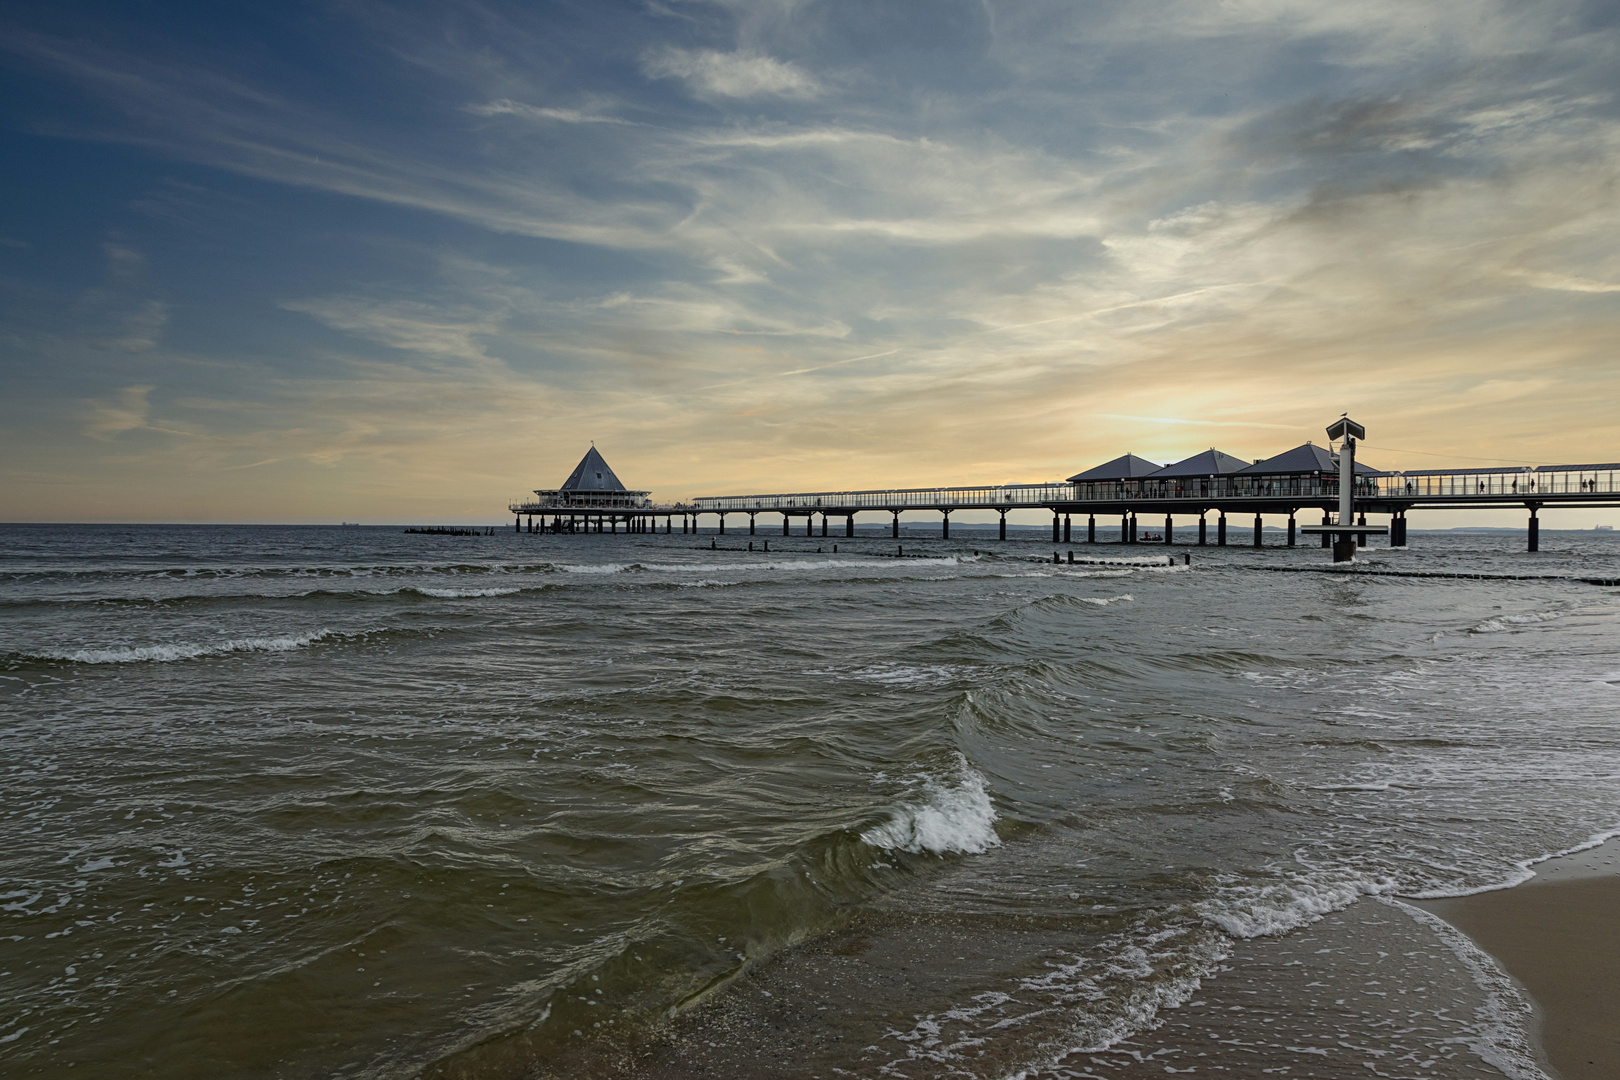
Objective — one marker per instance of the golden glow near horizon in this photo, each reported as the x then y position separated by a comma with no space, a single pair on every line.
769,255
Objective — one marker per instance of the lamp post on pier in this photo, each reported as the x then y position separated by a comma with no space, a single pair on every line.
1347,535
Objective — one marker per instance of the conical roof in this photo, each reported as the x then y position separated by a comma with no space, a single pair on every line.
592,474
1211,462
1129,467
1309,458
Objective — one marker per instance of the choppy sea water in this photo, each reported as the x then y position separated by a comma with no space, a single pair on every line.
311,802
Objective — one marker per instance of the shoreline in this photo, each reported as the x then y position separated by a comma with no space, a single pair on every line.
1558,935
1381,983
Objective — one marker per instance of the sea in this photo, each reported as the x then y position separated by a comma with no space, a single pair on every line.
292,802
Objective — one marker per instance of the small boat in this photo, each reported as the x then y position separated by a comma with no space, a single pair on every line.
1150,538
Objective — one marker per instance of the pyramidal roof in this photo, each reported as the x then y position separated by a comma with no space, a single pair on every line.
592,474
1129,467
1309,458
1211,462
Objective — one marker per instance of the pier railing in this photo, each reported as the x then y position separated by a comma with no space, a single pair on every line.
1423,484
987,497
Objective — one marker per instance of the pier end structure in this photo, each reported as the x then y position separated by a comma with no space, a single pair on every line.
594,499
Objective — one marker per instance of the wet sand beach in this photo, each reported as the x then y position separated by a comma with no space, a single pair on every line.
1371,990
1558,934
1386,986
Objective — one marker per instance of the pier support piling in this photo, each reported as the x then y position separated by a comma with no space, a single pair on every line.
1327,540
723,524
1056,526
1203,530
1004,525
1258,526
1067,529
1091,528
945,527
1361,537
785,523
849,525
823,524
896,527
1534,534
1290,530
1220,530
1169,530
751,524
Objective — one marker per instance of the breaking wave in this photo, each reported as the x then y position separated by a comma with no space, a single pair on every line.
181,650
954,817
461,594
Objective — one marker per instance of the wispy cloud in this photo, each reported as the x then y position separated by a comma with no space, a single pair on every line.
508,107
714,74
127,411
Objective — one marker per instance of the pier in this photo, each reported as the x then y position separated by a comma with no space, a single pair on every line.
1206,500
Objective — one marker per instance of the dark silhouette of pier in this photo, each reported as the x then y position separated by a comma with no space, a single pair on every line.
1195,501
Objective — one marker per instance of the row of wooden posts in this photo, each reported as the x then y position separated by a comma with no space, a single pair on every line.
1062,526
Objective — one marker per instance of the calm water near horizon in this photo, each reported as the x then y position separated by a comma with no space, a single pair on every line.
346,802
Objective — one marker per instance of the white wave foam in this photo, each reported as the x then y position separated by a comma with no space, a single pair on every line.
1269,910
908,674
184,650
1104,601
461,594
1499,623
954,817
1522,870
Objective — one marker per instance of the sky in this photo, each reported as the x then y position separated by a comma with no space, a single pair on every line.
361,261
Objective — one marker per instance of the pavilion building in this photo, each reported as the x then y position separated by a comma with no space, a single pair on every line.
592,499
